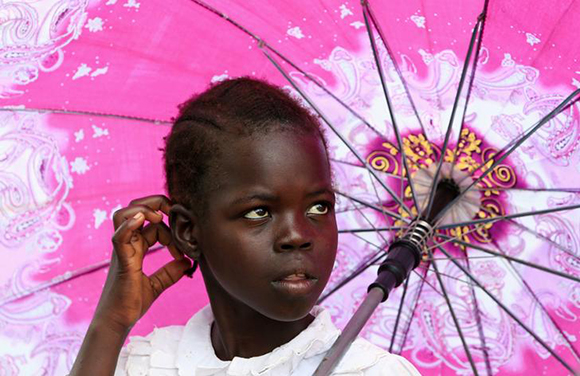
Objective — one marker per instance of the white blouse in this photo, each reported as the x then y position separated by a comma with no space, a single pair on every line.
187,351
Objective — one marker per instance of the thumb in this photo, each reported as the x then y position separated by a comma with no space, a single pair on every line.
168,275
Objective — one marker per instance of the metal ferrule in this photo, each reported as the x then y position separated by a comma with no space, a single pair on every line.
419,233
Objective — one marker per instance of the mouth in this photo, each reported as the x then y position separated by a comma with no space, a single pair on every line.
295,283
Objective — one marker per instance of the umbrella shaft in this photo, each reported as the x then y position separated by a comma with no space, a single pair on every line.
354,326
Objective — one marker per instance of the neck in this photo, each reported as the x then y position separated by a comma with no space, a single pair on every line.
239,330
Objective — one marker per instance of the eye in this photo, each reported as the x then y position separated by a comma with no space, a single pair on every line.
320,208
258,213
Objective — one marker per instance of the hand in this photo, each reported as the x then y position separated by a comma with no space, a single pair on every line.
128,292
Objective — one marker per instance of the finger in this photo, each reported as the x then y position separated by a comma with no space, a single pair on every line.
168,275
160,232
155,202
124,214
125,231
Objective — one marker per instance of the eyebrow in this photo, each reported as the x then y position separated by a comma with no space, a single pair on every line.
271,198
254,197
320,192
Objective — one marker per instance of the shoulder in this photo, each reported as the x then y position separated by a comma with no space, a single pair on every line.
365,358
157,350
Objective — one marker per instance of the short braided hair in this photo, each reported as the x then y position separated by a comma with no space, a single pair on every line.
230,108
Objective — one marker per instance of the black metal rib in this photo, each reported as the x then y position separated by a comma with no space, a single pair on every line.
454,317
452,118
510,313
388,174
399,311
517,144
544,309
84,113
509,216
514,259
516,189
289,62
374,259
478,321
389,106
335,130
65,277
377,26
567,251
483,17
415,303
355,231
373,206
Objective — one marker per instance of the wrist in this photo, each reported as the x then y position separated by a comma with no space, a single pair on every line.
109,326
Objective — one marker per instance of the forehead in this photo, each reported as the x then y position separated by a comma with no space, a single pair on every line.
276,160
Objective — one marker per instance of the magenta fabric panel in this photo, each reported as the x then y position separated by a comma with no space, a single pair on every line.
131,63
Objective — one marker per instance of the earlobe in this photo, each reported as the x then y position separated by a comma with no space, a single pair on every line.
184,228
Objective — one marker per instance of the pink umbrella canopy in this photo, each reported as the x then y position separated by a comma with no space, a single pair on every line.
88,89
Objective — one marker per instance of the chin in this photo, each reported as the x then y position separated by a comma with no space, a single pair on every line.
290,310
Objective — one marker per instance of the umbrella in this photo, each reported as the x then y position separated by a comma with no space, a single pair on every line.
89,88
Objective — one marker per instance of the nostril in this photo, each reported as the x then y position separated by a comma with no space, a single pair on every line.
290,247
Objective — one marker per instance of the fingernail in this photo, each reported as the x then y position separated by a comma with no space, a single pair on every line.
138,216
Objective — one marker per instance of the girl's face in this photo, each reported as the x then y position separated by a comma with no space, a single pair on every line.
269,237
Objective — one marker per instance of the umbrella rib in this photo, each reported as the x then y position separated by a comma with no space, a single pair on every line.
373,206
399,311
509,216
569,252
389,107
452,117
544,309
83,113
364,265
464,258
562,190
504,155
514,259
525,228
382,209
374,258
366,5
510,313
65,277
517,138
479,324
355,231
291,63
364,167
335,130
415,304
454,317
483,17
462,234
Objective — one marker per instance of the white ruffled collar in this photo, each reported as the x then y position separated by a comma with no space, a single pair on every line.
197,356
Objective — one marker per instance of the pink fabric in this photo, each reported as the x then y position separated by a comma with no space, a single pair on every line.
63,175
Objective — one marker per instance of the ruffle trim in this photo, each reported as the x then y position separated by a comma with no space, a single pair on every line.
186,350
315,339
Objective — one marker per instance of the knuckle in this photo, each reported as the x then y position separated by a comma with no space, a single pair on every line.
118,214
156,285
169,276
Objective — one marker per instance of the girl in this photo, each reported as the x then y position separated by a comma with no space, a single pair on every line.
252,204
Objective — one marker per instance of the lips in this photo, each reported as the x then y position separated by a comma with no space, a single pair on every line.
294,276
295,283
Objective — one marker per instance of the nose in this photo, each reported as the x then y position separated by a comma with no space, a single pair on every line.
294,234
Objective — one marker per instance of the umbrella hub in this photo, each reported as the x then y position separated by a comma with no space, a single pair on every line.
451,183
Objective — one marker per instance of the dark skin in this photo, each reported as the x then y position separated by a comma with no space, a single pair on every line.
272,216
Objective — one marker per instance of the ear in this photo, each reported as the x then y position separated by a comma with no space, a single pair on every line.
184,230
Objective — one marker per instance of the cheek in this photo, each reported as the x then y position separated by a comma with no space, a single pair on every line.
232,254
329,242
